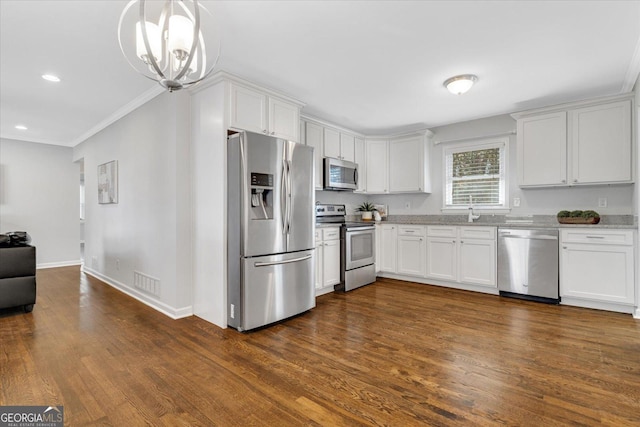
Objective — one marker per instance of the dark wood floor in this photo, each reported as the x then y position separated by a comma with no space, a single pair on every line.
393,353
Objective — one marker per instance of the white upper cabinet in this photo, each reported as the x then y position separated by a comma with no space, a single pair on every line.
581,144
377,155
284,119
542,150
314,138
331,143
347,147
248,109
601,143
256,111
408,165
360,159
338,145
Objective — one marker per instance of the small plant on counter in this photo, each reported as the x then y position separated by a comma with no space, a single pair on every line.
367,210
366,207
578,217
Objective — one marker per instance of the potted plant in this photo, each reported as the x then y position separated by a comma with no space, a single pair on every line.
367,210
578,217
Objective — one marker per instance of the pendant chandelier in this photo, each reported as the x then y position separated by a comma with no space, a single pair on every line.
164,41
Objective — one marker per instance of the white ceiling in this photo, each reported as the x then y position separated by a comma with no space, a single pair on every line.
372,66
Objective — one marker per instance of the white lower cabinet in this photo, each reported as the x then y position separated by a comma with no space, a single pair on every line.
412,250
462,254
327,259
597,269
388,248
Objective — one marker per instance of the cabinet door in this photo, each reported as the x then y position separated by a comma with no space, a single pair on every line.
284,120
377,166
359,154
406,165
478,262
597,272
441,258
378,248
542,150
248,109
319,265
314,139
347,147
331,143
388,248
601,143
331,270
411,256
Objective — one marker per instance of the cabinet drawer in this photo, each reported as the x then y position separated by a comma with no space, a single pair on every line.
488,233
411,230
330,233
597,237
442,231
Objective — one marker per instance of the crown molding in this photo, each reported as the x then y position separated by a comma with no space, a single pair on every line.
120,113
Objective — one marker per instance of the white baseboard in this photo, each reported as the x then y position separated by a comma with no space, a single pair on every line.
58,264
636,314
172,312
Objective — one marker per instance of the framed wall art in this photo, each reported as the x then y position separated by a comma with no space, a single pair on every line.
108,182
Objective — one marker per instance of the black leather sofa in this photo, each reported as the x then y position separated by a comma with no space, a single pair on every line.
18,277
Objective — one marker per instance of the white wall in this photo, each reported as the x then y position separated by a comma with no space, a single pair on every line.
39,194
209,192
149,229
543,201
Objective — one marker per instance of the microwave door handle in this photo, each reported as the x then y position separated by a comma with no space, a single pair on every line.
355,176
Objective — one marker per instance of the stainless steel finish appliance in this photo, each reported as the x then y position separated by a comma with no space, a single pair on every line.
528,264
340,175
357,247
270,231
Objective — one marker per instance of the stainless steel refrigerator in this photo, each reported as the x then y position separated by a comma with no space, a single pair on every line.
270,234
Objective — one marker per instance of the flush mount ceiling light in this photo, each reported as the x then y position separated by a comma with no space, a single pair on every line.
51,78
460,84
20,127
164,41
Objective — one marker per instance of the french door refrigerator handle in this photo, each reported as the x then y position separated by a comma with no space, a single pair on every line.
288,261
283,197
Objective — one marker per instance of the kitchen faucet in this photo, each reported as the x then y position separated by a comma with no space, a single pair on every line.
472,217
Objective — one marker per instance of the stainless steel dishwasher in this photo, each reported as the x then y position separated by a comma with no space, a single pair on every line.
528,264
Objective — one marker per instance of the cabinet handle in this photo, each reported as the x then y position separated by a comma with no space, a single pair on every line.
564,247
273,133
595,237
264,131
575,180
564,181
421,239
461,241
453,241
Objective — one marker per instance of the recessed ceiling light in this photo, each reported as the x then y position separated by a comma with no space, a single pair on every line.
460,84
21,127
51,78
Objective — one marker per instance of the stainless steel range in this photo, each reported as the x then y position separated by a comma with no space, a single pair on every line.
357,247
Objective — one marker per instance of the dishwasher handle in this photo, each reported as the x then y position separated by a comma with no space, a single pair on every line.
534,237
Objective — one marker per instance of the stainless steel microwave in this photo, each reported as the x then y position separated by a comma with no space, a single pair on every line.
340,174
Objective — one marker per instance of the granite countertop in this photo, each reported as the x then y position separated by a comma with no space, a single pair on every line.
507,221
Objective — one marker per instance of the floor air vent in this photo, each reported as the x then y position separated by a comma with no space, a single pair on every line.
146,283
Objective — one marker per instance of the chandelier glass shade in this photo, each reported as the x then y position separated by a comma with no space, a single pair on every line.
164,41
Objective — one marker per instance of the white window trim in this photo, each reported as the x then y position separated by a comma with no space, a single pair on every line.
479,144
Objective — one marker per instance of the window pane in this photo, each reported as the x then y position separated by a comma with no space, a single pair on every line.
475,177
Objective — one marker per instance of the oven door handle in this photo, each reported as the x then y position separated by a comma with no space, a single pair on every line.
360,230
